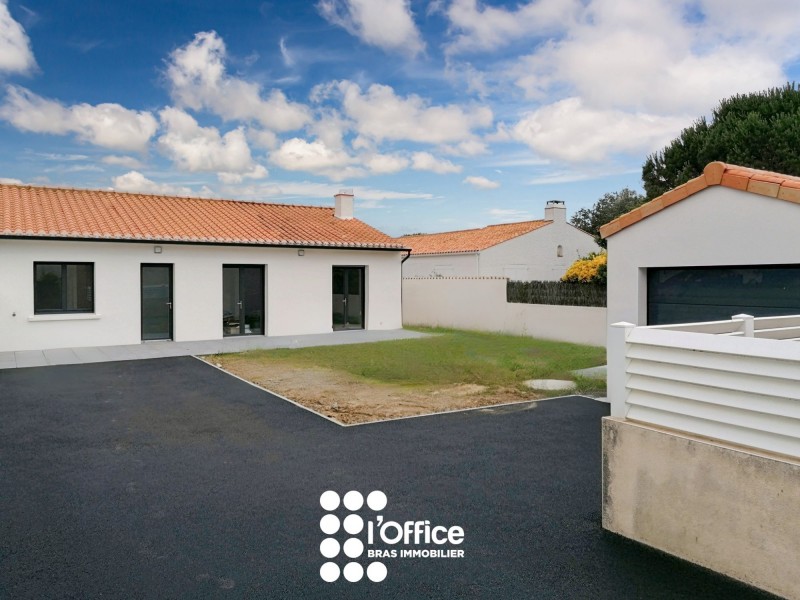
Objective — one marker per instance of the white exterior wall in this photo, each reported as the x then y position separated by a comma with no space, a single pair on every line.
534,256
298,290
718,226
480,304
441,265
529,257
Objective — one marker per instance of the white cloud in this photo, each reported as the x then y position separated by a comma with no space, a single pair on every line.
315,157
486,28
196,74
16,55
107,125
134,181
307,189
380,114
202,149
288,59
384,164
122,161
569,131
387,24
509,214
481,183
10,181
468,148
425,161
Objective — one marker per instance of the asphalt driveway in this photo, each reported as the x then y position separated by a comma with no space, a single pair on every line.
169,479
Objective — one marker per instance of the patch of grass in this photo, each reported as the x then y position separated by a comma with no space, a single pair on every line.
450,357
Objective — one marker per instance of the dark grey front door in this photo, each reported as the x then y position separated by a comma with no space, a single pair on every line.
348,297
156,302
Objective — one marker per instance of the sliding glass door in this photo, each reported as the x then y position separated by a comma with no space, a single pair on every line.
242,300
348,297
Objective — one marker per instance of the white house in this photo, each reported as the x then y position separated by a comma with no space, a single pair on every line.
95,268
528,251
724,243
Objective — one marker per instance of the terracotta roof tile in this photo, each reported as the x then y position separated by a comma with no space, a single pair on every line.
763,183
468,240
28,211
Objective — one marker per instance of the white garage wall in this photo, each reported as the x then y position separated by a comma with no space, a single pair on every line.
718,226
298,290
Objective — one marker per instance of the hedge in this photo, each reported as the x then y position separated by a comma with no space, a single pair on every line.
556,292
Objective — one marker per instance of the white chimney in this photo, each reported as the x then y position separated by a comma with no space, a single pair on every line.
344,205
556,211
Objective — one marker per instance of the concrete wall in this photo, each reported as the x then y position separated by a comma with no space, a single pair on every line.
298,290
718,226
723,507
441,265
480,304
529,257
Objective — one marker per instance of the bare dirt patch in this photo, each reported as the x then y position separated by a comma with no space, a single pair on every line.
348,399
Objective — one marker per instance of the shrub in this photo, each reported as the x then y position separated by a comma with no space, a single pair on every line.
589,269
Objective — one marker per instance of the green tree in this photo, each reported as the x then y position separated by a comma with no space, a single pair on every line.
605,210
759,130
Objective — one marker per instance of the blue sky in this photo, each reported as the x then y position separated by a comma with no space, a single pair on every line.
440,115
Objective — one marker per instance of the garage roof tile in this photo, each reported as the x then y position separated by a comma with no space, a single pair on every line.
764,183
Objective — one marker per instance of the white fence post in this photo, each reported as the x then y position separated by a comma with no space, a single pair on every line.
748,324
617,375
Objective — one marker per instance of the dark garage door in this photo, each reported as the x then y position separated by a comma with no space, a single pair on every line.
685,295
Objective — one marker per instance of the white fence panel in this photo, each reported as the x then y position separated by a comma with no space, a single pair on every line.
740,389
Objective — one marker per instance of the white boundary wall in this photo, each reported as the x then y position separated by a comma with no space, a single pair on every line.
737,381
480,304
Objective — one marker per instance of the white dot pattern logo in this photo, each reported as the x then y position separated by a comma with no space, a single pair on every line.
353,500
329,524
353,547
329,548
329,572
353,572
376,572
353,524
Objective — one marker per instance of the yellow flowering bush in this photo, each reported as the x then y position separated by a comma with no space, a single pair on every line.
589,269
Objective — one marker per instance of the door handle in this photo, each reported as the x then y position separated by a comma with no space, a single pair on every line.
170,305
239,303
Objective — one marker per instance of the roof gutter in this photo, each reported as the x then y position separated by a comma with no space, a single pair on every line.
405,258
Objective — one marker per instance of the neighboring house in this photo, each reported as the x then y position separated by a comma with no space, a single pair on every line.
528,251
95,268
724,243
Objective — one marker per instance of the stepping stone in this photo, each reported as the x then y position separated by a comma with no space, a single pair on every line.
551,384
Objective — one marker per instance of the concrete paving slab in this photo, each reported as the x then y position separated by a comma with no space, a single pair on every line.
551,384
62,356
30,358
8,360
91,355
